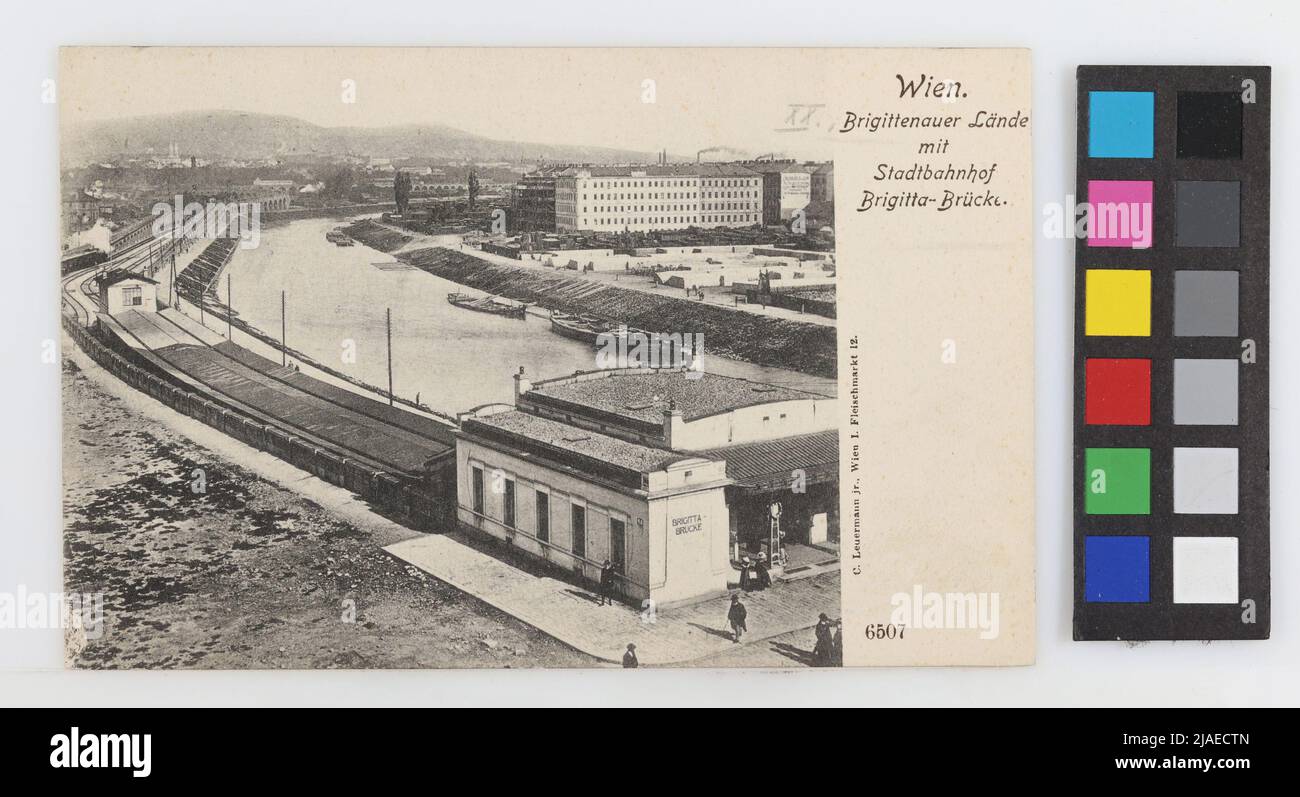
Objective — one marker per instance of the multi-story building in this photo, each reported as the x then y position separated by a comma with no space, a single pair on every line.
533,202
788,186
787,189
656,197
730,196
823,182
80,210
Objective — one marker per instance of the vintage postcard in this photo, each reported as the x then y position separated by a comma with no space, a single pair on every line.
563,357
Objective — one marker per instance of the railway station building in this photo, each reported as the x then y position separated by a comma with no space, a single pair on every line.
670,477
120,291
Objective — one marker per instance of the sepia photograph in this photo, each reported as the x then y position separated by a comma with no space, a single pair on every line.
600,355
447,359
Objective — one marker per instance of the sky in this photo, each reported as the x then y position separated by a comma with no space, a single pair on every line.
682,100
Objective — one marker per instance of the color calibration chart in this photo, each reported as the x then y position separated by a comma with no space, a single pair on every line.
1171,458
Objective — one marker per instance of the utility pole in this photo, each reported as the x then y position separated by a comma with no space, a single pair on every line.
388,317
230,310
284,344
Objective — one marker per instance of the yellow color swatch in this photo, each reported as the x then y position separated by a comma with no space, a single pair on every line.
1118,303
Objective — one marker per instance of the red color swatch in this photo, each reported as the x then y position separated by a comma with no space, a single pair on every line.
1118,392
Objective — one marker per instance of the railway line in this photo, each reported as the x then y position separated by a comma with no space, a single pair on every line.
263,394
80,303
350,426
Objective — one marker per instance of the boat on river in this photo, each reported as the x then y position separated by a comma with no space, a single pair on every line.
586,328
496,305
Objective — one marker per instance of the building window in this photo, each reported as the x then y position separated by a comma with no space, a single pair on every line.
477,482
131,297
509,509
543,517
579,525
617,544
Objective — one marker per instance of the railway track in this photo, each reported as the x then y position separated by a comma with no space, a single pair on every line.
81,303
227,379
390,446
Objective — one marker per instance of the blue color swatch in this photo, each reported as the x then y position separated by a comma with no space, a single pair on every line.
1121,124
1117,569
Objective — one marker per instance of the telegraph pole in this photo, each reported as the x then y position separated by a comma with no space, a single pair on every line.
388,322
284,344
230,310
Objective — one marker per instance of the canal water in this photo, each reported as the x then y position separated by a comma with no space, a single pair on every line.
454,359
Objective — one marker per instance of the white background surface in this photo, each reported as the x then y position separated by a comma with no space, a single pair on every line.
1061,36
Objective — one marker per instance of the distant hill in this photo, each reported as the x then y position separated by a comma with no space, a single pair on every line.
234,134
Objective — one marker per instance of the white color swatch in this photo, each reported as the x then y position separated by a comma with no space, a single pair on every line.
1205,570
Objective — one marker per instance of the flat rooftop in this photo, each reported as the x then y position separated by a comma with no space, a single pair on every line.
565,439
643,396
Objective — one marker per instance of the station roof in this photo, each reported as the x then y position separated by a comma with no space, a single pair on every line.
767,465
644,395
561,439
114,277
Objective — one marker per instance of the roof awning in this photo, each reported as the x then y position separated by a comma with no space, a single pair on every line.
768,466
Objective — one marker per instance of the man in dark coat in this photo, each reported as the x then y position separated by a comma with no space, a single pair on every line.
629,659
823,631
736,617
607,583
762,579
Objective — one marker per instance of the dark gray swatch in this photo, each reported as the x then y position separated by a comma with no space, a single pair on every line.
1208,213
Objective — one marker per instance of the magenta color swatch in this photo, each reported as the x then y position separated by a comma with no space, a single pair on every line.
1120,213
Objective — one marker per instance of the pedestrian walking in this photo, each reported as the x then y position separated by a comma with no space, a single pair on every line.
736,617
629,658
607,583
822,650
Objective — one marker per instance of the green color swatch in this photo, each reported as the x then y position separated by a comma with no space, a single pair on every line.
1117,481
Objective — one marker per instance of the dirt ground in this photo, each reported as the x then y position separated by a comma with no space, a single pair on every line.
243,573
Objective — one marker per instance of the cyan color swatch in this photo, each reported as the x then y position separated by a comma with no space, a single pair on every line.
1121,124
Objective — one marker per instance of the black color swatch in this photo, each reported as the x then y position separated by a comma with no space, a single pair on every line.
1209,124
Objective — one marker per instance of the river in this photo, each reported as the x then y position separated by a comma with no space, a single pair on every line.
454,359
